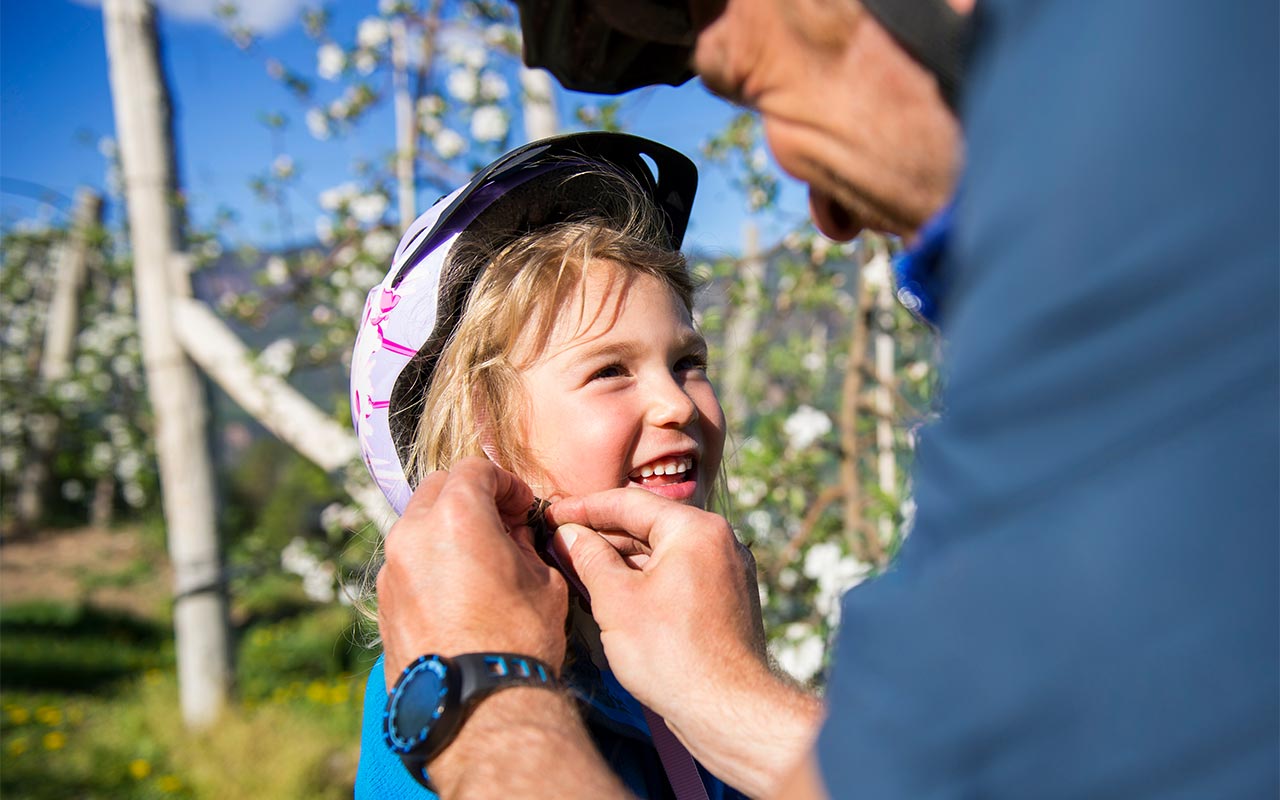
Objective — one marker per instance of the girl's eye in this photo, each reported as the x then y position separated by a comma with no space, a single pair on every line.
696,362
611,371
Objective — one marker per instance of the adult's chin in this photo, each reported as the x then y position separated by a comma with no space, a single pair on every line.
835,220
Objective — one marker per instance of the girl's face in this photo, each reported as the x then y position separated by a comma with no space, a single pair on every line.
620,396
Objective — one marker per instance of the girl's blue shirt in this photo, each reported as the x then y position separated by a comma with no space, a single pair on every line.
614,719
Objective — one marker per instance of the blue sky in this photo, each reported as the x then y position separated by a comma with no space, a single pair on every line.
55,107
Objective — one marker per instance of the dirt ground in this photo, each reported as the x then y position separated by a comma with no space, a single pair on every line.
112,569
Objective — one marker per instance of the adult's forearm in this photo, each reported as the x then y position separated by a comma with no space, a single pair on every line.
524,742
753,733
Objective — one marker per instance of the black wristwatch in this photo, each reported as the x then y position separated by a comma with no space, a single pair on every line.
434,695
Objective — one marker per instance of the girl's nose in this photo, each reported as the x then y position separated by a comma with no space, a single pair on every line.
670,406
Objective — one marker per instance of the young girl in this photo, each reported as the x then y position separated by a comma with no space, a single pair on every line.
541,316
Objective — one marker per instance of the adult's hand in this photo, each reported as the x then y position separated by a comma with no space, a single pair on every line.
682,630
461,574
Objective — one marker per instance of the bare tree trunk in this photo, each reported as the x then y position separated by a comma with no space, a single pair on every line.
270,400
741,328
406,127
141,102
539,104
102,502
61,327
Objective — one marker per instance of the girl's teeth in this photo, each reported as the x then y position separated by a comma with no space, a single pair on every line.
669,468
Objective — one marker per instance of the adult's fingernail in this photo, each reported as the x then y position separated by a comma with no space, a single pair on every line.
567,535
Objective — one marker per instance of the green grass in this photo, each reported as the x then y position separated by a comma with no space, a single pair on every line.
89,709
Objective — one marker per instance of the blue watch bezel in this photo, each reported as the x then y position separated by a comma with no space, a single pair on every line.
404,743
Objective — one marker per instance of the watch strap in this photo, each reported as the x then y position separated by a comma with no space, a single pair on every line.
485,673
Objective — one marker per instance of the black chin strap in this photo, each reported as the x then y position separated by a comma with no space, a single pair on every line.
933,33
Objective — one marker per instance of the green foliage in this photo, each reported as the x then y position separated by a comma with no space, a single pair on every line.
289,658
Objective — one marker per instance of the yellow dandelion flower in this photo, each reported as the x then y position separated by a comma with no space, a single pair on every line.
48,715
152,676
19,715
18,746
168,783
317,692
54,740
139,768
341,693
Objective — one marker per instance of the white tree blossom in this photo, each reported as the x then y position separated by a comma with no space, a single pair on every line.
448,143
277,271
463,85
488,124
335,197
318,123
380,245
800,651
806,426
366,62
277,357
317,575
493,87
834,573
369,208
372,33
330,61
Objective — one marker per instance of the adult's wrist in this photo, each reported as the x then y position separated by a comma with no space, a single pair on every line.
722,729
526,742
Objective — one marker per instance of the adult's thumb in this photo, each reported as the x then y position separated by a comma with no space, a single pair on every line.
598,566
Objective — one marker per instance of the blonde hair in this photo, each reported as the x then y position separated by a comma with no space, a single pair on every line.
475,399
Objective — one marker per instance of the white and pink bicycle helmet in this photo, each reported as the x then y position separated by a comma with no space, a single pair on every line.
411,315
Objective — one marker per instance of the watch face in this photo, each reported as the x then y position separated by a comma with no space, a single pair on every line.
418,701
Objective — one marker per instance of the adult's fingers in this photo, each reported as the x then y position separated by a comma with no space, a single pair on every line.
637,513
474,486
600,567
510,495
427,492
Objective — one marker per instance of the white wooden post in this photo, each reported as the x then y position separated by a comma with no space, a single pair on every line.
142,112
882,397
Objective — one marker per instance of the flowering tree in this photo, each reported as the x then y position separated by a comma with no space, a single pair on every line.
100,453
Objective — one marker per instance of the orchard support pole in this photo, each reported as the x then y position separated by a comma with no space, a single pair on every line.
142,112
